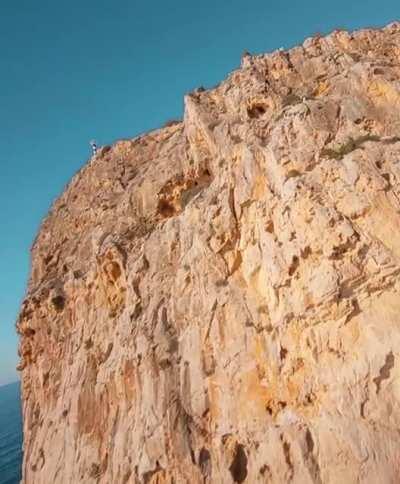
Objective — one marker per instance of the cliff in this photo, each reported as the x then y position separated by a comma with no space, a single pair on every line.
218,301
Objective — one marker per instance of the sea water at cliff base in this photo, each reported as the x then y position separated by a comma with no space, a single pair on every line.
10,434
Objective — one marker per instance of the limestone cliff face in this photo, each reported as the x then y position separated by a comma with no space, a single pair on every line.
218,301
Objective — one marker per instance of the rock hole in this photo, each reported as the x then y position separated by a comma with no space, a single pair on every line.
205,462
48,259
256,110
88,344
29,332
309,399
58,302
384,372
306,252
165,208
294,265
269,227
293,173
115,271
238,468
265,470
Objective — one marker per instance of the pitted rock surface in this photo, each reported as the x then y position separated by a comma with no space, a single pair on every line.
218,301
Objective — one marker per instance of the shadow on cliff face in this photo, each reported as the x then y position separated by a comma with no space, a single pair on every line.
176,194
205,463
238,467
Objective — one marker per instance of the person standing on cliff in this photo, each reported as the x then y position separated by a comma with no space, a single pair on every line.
93,145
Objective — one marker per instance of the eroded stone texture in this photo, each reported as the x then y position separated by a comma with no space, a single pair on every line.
218,301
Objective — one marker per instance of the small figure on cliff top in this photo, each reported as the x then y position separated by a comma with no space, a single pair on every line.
246,59
93,145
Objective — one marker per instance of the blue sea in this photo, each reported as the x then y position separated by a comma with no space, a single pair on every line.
10,434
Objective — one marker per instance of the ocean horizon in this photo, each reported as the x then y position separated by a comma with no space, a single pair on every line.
10,434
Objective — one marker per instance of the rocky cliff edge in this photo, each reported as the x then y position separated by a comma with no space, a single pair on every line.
218,301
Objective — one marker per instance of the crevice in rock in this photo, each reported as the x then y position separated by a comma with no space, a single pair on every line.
238,467
266,473
256,110
314,468
288,459
205,463
384,372
178,193
149,476
352,144
58,302
294,265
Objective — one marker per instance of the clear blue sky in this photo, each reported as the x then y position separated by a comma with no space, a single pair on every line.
73,70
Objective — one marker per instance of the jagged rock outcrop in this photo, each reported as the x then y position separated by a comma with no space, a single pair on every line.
218,301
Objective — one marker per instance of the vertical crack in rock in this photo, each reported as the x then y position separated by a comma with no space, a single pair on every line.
288,458
315,470
205,463
238,467
384,372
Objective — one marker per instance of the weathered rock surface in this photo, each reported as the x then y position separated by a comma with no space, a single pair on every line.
218,300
